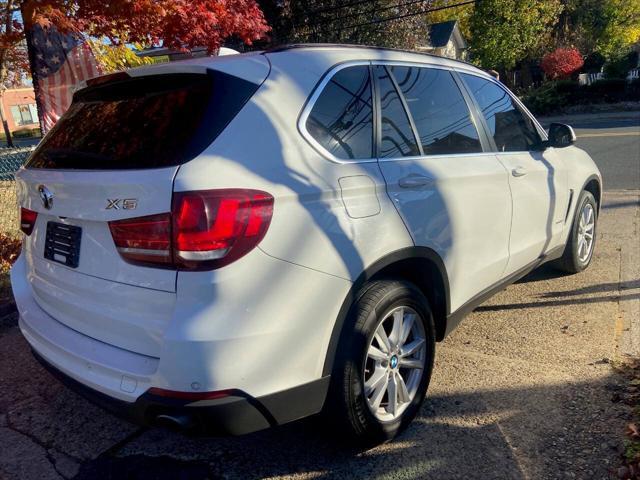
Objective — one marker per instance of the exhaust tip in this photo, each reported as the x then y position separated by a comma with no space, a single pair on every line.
177,423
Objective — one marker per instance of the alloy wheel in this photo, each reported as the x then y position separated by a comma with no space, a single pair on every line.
586,231
394,363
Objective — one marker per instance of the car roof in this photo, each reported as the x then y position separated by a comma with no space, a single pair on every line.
317,56
344,52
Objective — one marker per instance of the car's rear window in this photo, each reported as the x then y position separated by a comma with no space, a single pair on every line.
143,122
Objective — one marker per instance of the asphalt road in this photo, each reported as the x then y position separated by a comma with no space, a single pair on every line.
613,141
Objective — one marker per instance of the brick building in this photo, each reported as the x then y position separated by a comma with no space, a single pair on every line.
20,108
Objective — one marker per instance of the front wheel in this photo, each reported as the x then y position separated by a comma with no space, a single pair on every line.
383,363
582,238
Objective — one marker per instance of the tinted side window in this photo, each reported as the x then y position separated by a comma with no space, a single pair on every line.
439,111
512,130
397,139
341,120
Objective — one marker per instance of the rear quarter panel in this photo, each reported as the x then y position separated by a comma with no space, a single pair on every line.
263,149
311,231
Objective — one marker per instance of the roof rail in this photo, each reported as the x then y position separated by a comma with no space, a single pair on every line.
294,46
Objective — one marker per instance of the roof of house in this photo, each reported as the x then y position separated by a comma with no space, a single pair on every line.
440,33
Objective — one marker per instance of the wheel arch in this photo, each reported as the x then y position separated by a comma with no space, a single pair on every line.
419,265
593,186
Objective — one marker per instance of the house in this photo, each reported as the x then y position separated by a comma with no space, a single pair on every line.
19,107
446,40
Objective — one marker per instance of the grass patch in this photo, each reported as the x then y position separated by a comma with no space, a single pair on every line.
22,133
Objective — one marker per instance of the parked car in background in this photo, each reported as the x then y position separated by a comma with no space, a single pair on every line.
238,242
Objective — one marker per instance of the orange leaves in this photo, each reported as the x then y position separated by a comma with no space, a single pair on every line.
9,251
180,24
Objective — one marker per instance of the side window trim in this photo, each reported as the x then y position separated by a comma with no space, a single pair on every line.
377,124
521,107
405,107
486,140
477,118
309,104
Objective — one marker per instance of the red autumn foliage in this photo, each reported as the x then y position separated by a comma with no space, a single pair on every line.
561,63
177,24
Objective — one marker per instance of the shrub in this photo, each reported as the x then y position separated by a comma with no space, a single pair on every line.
633,89
619,67
27,133
606,91
554,96
544,99
593,62
561,63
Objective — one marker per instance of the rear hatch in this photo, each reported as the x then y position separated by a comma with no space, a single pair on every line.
114,156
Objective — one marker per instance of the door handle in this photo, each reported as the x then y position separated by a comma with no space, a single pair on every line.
414,181
519,172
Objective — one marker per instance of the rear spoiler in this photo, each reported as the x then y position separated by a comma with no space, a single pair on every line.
252,67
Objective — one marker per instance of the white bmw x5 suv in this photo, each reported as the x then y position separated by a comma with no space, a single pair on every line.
234,243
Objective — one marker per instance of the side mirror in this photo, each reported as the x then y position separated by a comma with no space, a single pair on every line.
561,135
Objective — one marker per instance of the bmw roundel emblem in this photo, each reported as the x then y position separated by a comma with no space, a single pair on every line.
394,361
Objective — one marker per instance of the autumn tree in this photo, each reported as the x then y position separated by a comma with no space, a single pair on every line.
385,23
505,32
13,55
561,63
608,27
177,24
117,57
460,13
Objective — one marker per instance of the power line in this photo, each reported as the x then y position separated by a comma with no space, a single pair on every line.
338,7
384,9
355,14
398,17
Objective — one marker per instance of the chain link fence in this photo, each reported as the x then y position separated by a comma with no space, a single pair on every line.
11,159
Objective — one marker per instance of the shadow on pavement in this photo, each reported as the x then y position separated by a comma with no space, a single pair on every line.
512,433
557,303
483,429
540,274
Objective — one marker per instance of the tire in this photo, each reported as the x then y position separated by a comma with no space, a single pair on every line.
574,259
347,406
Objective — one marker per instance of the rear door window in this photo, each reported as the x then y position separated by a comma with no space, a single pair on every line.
512,130
397,138
143,122
439,110
341,119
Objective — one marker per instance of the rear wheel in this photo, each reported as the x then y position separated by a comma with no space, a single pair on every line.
383,363
582,238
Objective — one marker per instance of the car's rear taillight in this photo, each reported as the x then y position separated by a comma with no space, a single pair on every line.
144,239
27,220
205,230
212,228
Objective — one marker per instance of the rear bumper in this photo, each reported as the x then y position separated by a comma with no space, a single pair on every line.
236,414
119,380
